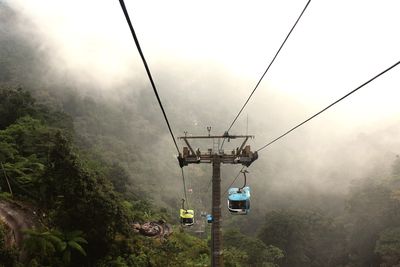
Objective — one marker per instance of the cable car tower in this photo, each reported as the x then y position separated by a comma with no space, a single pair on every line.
241,155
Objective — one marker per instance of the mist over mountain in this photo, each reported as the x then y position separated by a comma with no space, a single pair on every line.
88,68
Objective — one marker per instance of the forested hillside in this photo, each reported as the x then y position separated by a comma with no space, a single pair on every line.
91,164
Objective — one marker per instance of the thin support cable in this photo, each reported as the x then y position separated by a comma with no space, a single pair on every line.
147,70
265,72
184,188
337,101
234,180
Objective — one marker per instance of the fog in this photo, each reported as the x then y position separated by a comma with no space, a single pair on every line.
207,57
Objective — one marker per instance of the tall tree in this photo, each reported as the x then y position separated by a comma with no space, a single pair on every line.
307,238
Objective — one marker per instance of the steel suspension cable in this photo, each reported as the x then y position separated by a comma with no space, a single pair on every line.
153,85
234,180
147,70
184,187
329,106
269,66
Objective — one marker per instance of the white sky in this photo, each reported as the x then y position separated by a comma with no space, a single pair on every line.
337,45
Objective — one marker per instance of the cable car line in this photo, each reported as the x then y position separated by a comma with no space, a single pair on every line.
184,187
329,106
265,72
147,70
315,115
128,20
234,180
245,178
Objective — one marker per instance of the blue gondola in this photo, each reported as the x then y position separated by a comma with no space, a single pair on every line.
239,200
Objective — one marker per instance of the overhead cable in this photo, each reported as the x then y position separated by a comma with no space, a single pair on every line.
147,70
329,106
184,188
234,180
265,72
153,85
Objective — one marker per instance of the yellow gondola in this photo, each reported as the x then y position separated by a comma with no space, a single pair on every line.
187,217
